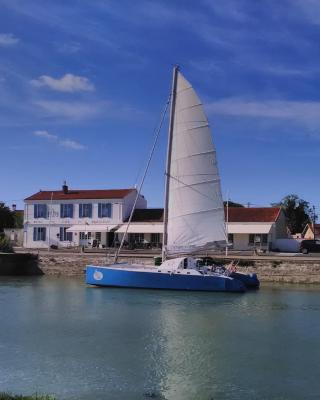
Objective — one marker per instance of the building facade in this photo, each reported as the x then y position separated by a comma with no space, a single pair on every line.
311,231
70,218
98,218
255,228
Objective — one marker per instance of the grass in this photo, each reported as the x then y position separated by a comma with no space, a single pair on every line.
9,396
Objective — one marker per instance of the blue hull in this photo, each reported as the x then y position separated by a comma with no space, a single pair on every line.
117,277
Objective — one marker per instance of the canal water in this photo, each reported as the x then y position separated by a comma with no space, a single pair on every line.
58,336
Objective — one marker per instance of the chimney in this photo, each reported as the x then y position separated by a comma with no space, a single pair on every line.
14,207
65,187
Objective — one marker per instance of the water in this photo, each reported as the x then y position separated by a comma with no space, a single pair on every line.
60,337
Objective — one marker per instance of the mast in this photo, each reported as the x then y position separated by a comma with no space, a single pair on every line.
168,166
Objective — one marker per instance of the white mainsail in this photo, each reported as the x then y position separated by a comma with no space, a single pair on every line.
195,207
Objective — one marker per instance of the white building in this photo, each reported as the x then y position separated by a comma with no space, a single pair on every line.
97,218
256,227
68,218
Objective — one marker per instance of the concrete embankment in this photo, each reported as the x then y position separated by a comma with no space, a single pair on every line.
269,269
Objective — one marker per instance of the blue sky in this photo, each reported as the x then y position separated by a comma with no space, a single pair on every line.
83,83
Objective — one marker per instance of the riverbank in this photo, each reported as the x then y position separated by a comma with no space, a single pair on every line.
9,396
12,264
304,270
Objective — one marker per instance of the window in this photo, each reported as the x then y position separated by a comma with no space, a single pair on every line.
136,237
104,210
40,211
39,234
64,235
230,238
84,235
85,210
98,236
66,210
258,239
155,238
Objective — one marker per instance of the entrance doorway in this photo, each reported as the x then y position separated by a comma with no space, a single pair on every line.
110,239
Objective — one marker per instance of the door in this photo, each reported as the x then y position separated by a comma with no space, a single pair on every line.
110,239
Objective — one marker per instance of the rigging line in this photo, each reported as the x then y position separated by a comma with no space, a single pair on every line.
157,134
190,187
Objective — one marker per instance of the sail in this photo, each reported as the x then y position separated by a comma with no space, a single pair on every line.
195,207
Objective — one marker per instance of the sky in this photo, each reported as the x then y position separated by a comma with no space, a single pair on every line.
83,84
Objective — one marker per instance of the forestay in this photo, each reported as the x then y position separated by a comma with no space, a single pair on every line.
195,206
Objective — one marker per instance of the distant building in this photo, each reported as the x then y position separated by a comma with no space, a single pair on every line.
15,235
311,231
248,228
97,218
255,228
146,228
69,218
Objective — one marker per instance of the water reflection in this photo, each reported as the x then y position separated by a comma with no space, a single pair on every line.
59,336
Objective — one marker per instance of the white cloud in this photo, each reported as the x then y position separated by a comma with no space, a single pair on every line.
8,39
71,144
67,83
69,48
73,110
45,135
67,143
280,109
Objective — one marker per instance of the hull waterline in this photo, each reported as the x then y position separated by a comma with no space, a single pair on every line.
250,281
117,277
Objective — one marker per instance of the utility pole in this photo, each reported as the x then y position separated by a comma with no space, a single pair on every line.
314,222
227,224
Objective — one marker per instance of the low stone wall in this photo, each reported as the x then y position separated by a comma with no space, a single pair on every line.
75,264
285,271
19,264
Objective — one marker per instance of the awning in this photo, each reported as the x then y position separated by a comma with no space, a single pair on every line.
141,228
91,228
249,228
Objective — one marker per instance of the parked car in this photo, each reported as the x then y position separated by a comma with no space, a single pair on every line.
310,246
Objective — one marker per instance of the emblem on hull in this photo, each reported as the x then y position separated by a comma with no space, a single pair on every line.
98,275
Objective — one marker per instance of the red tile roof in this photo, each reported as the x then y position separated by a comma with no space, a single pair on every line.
251,214
81,194
236,214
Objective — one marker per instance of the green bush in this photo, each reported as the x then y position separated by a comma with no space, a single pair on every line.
5,247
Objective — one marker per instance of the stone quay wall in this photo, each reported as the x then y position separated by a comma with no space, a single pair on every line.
268,270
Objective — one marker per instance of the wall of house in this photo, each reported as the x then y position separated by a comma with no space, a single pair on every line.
53,224
128,202
281,227
241,242
15,235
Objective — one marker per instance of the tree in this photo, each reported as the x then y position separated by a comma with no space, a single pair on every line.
6,217
232,204
297,211
18,219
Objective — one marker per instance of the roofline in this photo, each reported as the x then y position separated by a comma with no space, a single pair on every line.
81,190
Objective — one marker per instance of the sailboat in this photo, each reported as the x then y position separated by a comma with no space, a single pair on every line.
193,214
